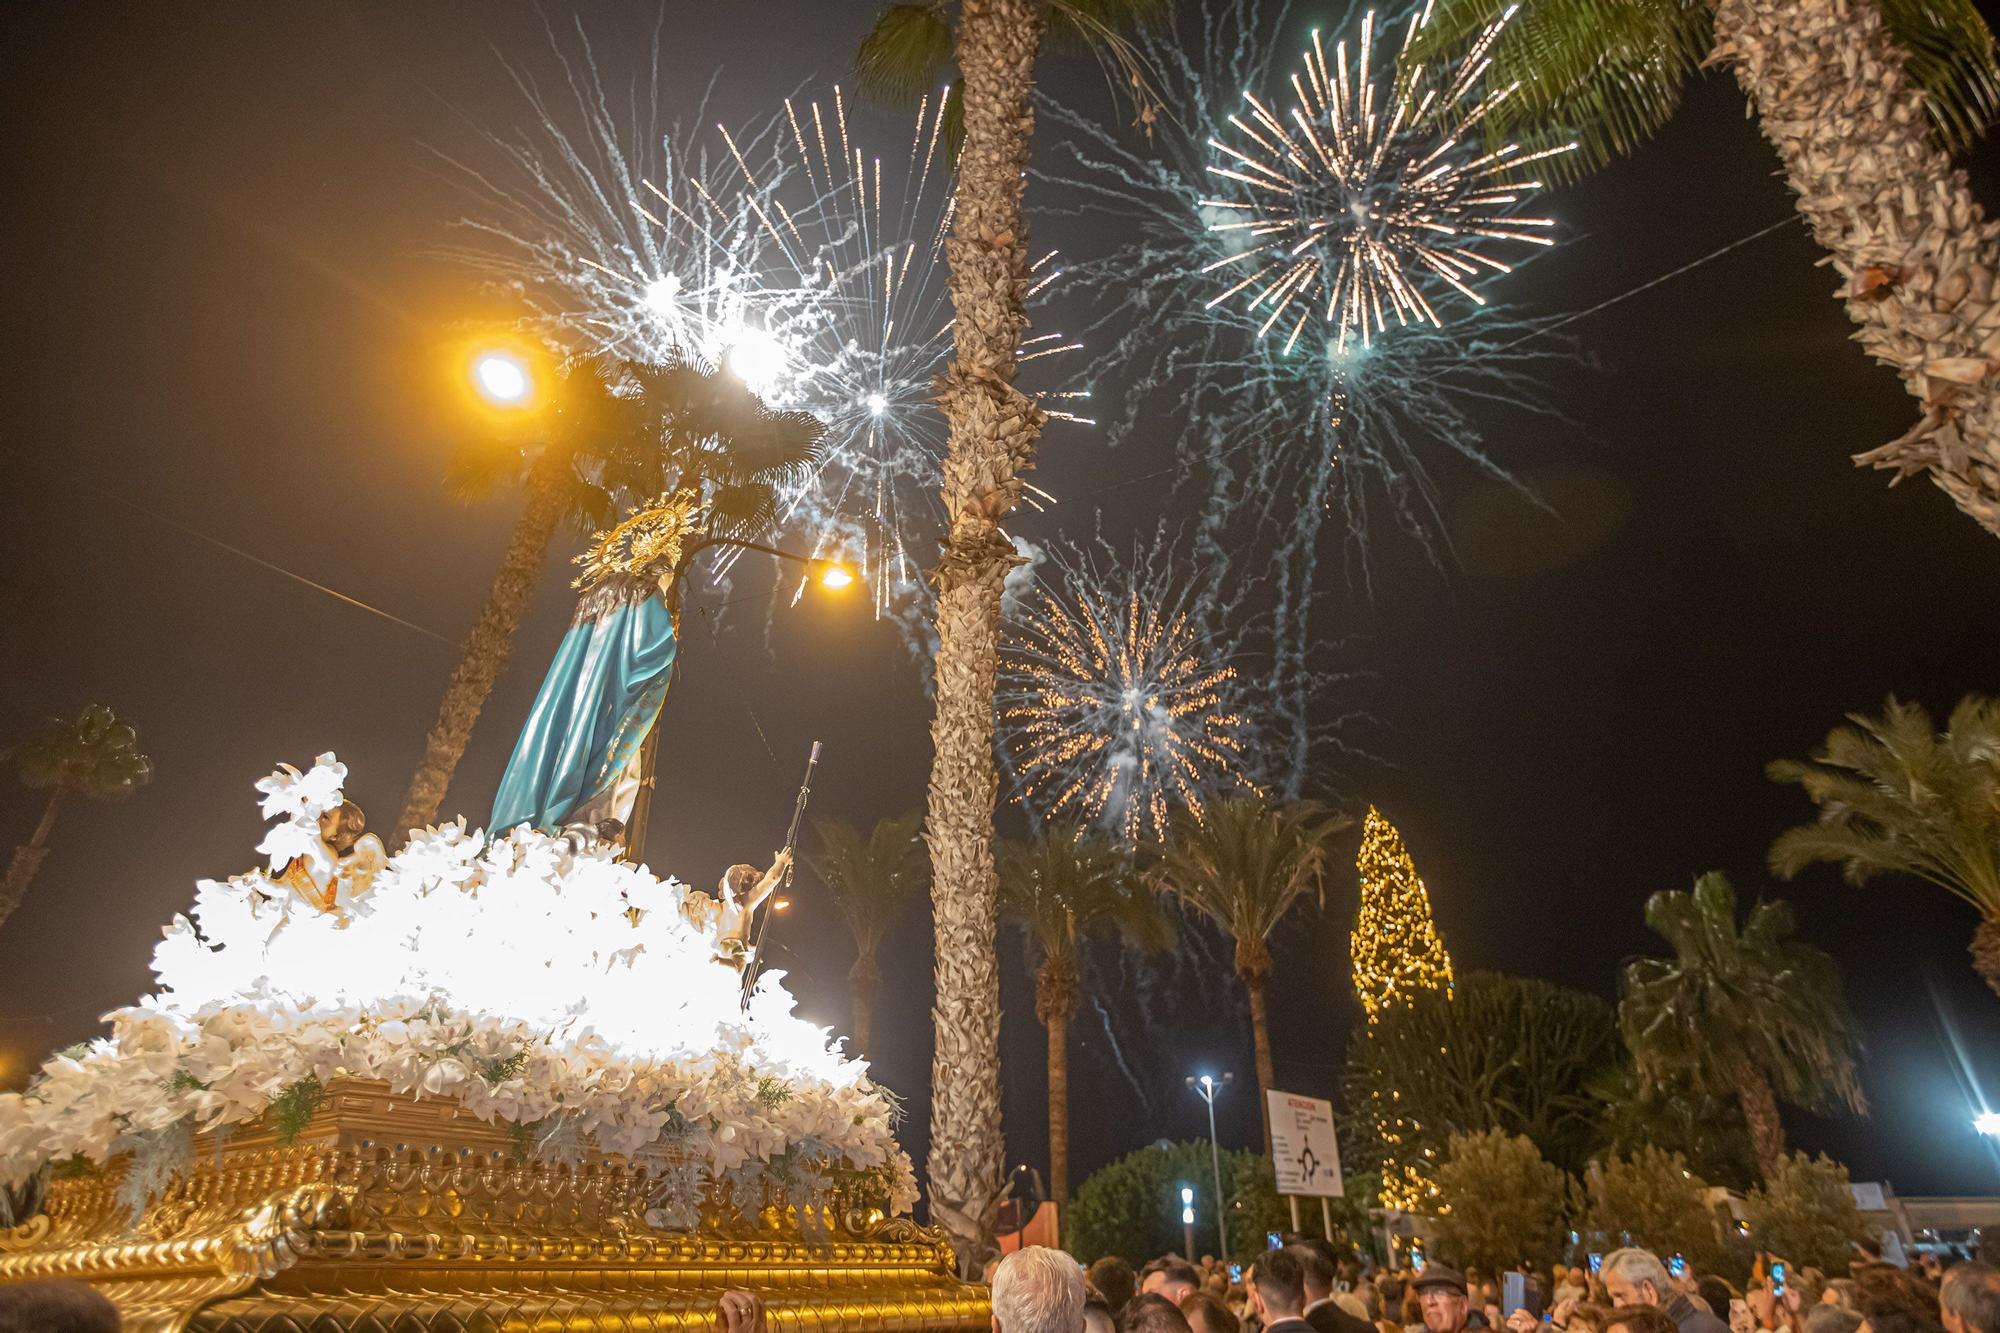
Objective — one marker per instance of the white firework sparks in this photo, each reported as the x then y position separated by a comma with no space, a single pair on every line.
1119,700
1368,189
859,240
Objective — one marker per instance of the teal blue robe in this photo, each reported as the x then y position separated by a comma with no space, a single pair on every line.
596,707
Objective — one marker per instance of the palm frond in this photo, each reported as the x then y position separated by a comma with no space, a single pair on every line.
906,54
1895,795
1949,53
94,754
478,468
1604,74
743,510
869,878
1738,997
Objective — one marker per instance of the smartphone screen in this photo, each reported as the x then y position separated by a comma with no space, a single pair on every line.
1236,1273
1677,1266
1596,1262
1513,1293
1274,1240
1777,1277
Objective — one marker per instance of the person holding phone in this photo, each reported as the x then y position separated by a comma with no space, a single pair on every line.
1635,1277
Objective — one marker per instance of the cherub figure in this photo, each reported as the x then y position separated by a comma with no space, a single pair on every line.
727,917
341,867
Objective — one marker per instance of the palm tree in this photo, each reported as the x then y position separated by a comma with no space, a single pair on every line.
1748,1011
1064,888
92,755
993,429
1243,864
1846,91
868,879
1896,795
611,432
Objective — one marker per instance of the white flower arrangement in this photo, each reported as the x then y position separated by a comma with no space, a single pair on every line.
530,982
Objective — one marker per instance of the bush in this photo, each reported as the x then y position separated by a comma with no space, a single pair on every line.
1655,1200
1500,1203
1132,1207
1804,1212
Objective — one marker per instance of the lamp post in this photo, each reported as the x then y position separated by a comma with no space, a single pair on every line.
1187,1220
1207,1087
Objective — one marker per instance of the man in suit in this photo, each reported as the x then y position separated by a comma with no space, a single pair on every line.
1278,1293
1318,1267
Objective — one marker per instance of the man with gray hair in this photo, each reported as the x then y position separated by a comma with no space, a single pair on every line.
1038,1290
1969,1299
1635,1277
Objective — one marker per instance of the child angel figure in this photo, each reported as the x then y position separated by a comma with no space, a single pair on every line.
726,918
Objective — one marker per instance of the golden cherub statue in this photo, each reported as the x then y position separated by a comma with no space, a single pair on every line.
727,917
341,867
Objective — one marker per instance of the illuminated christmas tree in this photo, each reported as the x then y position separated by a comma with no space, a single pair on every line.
1397,952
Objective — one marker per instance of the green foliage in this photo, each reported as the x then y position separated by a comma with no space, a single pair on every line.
1733,999
1504,1053
1804,1213
182,1081
1652,1197
1704,1128
1132,1207
292,1110
92,754
1500,1202
1607,74
772,1092
74,1167
1244,863
870,877
1064,887
907,52
1897,796
631,431
500,1070
521,1145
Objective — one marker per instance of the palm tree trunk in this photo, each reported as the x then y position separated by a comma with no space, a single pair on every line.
488,646
28,857
1058,1030
1900,223
1760,1113
1986,951
993,427
862,980
1260,1034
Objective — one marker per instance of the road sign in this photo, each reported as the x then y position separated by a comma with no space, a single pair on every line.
1304,1153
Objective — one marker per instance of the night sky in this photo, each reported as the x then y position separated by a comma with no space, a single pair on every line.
225,312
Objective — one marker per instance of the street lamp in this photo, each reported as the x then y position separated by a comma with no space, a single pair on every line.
1207,1086
502,378
1187,1220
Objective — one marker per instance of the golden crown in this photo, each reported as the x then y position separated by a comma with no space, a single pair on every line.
646,543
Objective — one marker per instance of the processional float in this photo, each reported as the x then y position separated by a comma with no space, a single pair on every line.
496,1079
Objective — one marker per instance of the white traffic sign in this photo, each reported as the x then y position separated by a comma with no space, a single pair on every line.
1304,1152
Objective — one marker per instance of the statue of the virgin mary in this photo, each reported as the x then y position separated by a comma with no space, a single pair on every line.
580,756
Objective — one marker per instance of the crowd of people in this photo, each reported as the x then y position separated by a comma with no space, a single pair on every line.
1306,1286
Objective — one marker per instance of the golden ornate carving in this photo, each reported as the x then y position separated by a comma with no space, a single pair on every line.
645,544
387,1211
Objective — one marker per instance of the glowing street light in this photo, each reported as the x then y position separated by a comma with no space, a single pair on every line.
1187,1219
1207,1086
1987,1123
502,378
833,575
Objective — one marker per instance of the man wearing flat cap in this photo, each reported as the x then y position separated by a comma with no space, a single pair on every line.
1442,1296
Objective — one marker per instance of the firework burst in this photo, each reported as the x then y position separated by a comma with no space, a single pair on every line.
1367,188
1120,702
858,237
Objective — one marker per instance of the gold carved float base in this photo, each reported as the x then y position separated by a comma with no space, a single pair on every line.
388,1213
